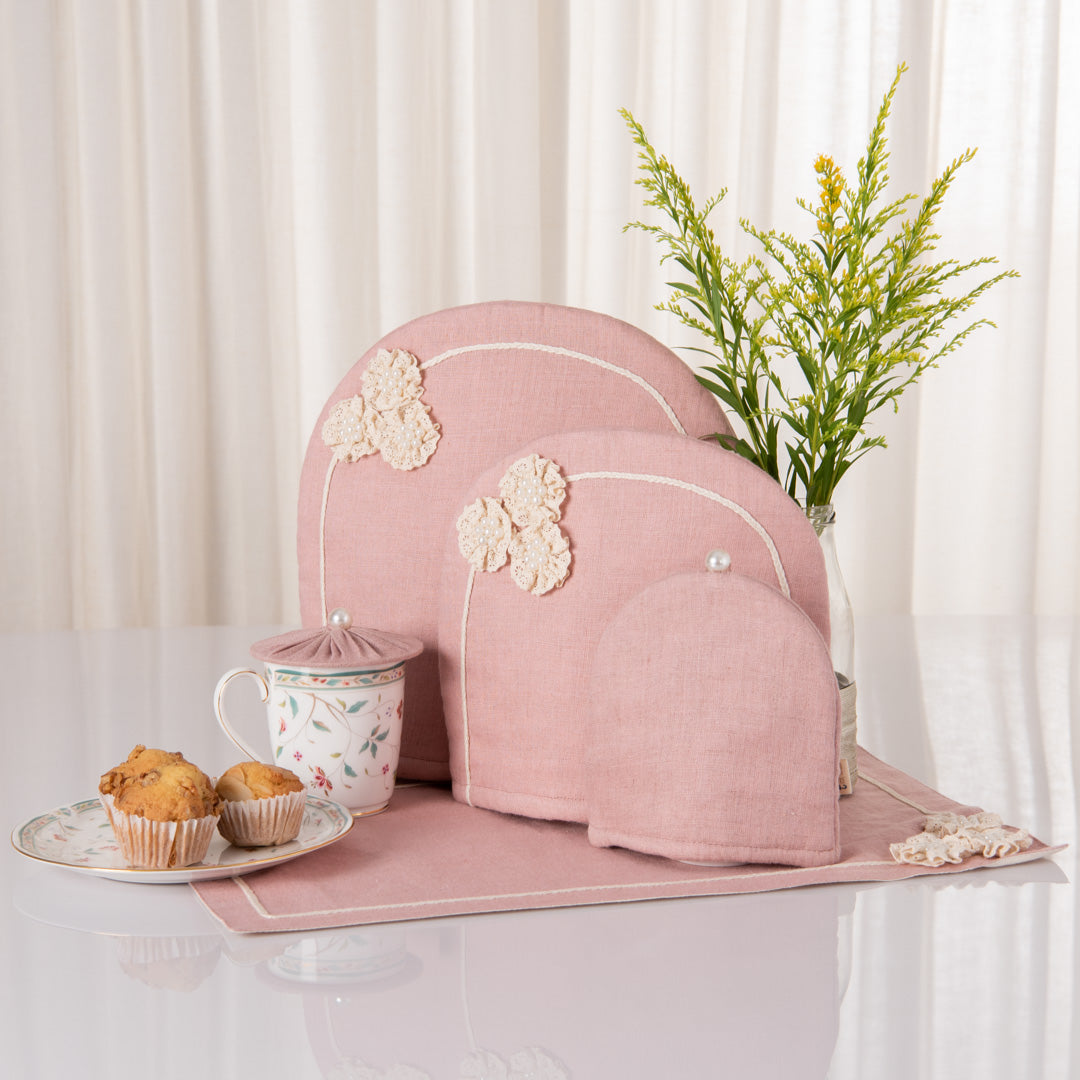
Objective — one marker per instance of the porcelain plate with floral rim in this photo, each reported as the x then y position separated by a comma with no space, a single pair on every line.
79,837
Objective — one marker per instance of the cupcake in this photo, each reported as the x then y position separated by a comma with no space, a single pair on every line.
261,804
163,809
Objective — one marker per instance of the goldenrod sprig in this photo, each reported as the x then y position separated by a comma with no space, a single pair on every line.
859,307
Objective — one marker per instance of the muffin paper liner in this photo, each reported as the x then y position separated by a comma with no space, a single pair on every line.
159,845
263,822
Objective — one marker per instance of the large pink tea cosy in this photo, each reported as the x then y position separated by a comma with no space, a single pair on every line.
418,417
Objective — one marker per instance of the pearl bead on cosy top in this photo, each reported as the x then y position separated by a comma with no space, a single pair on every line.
718,561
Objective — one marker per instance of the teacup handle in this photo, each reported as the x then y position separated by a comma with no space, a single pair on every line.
219,707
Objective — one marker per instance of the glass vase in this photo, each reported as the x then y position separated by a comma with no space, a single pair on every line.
841,643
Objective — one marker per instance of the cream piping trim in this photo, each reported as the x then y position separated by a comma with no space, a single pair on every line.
464,698
525,346
556,350
743,513
322,537
257,905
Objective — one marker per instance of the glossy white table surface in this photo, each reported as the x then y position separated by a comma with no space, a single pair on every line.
972,975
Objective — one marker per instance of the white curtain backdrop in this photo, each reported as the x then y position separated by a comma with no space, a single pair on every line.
209,210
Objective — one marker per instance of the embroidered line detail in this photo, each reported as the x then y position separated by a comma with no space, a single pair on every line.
798,872
322,537
557,350
464,698
258,906
742,512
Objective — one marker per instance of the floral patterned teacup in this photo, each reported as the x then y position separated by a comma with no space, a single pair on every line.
338,729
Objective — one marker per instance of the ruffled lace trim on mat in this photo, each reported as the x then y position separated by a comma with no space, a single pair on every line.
950,838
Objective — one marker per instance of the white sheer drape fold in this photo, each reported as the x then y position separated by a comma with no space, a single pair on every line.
208,210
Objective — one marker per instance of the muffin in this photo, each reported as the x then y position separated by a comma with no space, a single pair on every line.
261,804
163,809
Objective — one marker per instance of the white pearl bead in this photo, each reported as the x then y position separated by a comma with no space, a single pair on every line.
340,618
718,561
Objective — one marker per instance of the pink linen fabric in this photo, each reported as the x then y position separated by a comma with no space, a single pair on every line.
506,372
516,667
714,732
430,855
337,648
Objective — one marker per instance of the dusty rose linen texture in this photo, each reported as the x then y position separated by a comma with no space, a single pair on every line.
385,528
430,855
517,699
336,648
714,730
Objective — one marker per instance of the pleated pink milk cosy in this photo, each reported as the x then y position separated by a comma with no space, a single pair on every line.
505,373
639,507
714,729
337,648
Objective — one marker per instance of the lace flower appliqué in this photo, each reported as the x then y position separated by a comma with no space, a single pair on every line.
407,437
532,1063
387,416
350,429
484,534
521,526
392,379
533,490
951,838
539,557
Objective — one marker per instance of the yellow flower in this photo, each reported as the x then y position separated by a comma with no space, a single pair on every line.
831,182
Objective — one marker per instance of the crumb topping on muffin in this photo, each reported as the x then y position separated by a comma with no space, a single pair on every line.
139,762
256,780
161,786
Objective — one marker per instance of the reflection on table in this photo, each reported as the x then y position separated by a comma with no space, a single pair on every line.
968,975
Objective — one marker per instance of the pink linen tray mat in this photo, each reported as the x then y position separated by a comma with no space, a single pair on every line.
429,855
